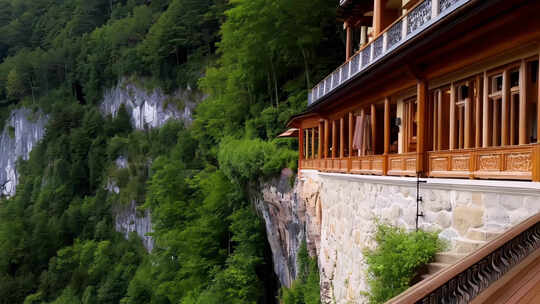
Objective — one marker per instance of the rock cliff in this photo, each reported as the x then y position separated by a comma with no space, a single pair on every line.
22,131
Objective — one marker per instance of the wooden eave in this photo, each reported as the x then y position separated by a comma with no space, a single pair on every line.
353,8
405,65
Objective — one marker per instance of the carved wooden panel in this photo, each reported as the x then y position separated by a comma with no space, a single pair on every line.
519,162
461,163
411,164
439,164
489,162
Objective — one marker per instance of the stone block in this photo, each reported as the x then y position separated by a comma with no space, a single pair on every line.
467,217
481,235
510,202
519,215
532,204
477,199
464,246
441,203
443,219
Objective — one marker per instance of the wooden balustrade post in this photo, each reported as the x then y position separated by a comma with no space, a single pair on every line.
538,106
452,117
468,122
319,154
362,118
348,46
486,134
326,135
478,111
341,137
300,147
313,143
307,143
523,103
334,138
377,16
504,108
421,125
386,134
373,129
351,133
439,120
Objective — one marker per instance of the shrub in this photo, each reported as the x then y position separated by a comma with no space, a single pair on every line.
397,258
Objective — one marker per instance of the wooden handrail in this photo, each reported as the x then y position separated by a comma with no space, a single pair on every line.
427,287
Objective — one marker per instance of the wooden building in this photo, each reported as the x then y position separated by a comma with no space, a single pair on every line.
435,88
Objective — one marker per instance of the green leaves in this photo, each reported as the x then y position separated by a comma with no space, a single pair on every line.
399,254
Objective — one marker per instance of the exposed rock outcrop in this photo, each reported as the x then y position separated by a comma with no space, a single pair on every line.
128,219
150,109
22,131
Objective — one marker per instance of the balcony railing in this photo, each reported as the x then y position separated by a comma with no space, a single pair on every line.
408,26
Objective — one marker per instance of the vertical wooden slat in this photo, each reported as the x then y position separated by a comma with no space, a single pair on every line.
495,141
300,147
362,118
523,103
439,120
319,154
468,119
513,117
478,111
452,117
349,41
351,133
538,105
373,129
421,127
307,143
313,143
334,138
435,121
486,134
326,135
386,125
504,108
341,137
461,126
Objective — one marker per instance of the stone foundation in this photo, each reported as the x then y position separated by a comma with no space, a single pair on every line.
466,212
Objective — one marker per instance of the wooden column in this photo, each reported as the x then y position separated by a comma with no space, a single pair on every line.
320,141
468,123
363,35
523,103
373,129
377,16
387,125
348,46
478,112
313,143
334,138
421,125
496,125
326,134
461,127
341,137
439,120
486,134
452,117
306,140
351,133
504,108
362,118
300,147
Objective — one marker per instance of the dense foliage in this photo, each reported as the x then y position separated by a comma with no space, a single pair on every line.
396,260
305,289
254,59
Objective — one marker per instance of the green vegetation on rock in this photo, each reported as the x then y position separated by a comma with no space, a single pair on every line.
253,59
396,260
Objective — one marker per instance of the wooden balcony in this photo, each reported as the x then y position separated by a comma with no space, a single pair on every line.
419,18
515,162
509,163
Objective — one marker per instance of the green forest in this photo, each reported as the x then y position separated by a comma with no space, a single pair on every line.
253,59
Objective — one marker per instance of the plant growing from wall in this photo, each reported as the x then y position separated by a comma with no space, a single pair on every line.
396,260
305,289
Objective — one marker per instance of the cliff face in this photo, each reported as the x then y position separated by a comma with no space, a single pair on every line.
22,131
290,217
150,109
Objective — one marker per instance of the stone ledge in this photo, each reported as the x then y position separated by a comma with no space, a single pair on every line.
473,185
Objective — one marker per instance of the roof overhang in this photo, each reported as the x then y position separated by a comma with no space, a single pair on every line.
292,132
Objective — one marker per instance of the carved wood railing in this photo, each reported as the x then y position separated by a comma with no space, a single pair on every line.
472,275
516,162
371,164
402,164
408,26
340,165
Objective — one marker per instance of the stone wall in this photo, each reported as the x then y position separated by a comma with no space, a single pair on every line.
468,213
